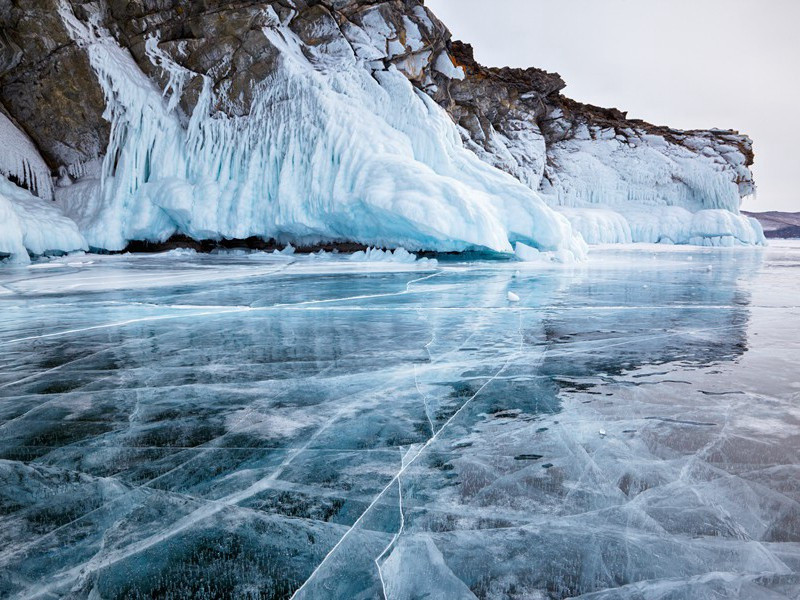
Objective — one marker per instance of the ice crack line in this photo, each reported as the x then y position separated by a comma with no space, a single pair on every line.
211,508
399,531
300,591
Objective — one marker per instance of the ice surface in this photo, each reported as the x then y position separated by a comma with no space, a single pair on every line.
260,425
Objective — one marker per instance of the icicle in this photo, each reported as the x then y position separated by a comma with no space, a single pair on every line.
20,160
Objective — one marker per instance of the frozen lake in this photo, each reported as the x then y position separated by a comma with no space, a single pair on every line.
259,426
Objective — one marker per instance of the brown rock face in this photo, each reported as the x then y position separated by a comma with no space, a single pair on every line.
48,85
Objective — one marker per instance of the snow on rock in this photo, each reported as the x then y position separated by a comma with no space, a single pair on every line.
20,159
444,65
389,168
30,225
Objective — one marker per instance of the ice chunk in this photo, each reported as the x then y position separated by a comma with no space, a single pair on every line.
20,159
512,297
401,256
527,253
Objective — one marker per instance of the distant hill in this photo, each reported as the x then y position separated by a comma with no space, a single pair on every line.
778,224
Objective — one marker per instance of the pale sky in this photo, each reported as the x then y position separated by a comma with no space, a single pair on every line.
690,64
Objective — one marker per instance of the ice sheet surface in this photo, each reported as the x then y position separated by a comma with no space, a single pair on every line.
254,426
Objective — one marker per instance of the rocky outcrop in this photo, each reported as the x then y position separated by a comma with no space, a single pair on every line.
521,122
214,60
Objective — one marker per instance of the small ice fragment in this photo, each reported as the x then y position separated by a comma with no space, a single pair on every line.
710,268
512,297
517,274
528,253
602,433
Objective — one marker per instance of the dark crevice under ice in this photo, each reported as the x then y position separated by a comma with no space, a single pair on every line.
259,426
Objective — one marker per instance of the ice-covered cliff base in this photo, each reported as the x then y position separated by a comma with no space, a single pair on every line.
332,150
665,225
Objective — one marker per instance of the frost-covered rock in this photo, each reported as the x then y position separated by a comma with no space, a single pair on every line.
610,175
345,120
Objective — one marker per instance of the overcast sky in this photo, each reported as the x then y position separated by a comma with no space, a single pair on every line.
733,64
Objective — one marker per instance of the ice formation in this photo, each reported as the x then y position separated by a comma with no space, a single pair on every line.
334,153
638,187
20,159
362,122
31,225
665,225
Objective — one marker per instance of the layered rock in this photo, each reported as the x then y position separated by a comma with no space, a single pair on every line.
180,88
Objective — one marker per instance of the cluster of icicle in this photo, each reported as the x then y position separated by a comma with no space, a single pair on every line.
20,160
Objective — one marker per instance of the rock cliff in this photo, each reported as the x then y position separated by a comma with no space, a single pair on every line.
304,120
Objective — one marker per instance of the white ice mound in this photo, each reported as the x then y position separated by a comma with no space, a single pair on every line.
333,152
31,225
665,225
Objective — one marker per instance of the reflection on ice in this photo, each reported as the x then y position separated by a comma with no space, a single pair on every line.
269,426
